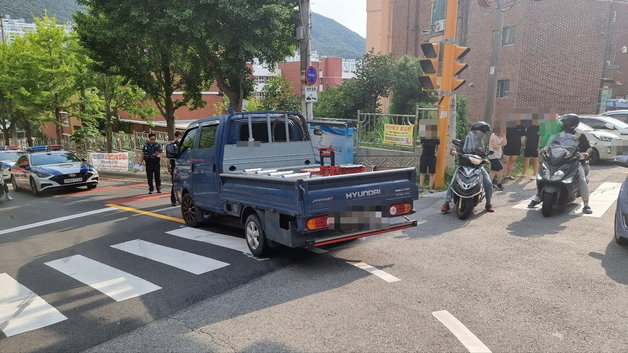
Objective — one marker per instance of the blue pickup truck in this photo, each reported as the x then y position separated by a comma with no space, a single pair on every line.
261,167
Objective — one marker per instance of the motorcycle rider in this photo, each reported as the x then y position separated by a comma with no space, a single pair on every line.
474,143
569,124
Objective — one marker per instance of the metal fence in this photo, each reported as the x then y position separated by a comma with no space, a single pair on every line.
370,127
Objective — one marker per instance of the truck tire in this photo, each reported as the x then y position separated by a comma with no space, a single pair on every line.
255,236
192,215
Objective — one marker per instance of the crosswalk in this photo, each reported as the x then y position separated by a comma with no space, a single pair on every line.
22,310
600,201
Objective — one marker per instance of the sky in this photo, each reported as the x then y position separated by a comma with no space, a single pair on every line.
349,13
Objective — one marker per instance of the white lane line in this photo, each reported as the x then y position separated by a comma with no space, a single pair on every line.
464,335
21,310
379,273
56,220
183,260
225,241
600,200
112,282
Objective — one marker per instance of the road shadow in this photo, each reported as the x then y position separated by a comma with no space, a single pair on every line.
614,261
534,224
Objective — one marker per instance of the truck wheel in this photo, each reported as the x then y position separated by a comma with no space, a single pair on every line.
192,215
464,210
548,205
255,237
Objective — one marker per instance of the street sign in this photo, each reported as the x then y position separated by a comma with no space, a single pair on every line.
311,75
311,93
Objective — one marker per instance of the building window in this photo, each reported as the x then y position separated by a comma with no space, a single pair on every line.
503,88
508,35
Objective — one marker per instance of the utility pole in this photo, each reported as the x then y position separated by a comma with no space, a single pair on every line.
491,93
305,51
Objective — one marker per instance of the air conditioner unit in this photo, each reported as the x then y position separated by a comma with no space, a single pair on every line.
439,26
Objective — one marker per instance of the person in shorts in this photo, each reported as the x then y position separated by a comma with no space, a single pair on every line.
496,142
427,162
512,149
531,133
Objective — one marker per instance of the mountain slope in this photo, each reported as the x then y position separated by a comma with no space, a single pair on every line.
329,38
27,9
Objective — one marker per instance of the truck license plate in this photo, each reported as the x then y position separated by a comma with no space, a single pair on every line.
73,180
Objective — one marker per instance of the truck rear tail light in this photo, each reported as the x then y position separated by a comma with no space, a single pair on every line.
318,222
400,209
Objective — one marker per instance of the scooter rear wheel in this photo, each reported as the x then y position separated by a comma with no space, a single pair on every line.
548,205
464,208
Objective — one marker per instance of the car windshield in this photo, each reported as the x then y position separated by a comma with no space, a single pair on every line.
53,158
10,155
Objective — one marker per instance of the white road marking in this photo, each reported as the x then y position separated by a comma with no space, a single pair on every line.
464,335
225,241
379,273
21,310
600,200
183,260
112,282
56,220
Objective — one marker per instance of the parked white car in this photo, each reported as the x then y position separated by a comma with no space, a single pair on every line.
606,145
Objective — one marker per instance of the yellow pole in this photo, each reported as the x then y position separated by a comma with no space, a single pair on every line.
446,86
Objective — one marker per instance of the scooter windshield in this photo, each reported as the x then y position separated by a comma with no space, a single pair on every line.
562,146
475,143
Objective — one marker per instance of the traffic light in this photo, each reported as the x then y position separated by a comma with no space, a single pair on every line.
458,67
429,65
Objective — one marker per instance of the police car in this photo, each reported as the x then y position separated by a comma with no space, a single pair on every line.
50,167
8,156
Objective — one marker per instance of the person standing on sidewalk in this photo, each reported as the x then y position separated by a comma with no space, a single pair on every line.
496,142
531,149
427,163
172,150
512,149
152,151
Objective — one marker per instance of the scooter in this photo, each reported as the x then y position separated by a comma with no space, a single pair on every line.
468,187
557,181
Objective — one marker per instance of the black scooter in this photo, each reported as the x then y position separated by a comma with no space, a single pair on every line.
467,186
557,181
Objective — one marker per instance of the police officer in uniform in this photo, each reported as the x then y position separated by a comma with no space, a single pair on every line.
173,159
152,151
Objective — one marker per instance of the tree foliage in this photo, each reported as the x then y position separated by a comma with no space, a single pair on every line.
407,93
374,79
139,41
278,95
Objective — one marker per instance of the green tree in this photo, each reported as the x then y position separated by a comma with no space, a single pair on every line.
55,55
278,95
229,34
374,79
407,93
144,43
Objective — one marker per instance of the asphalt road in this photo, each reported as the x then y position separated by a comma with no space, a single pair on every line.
513,280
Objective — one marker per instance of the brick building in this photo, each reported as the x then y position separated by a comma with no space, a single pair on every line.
555,54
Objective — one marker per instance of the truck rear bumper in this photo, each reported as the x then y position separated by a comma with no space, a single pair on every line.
340,238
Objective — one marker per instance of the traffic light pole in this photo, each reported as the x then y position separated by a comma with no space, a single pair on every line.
445,108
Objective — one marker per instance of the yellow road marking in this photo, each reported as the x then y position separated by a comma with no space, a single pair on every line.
147,213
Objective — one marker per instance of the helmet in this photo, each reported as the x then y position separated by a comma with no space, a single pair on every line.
481,126
570,122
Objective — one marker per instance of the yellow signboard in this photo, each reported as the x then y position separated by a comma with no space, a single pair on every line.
398,134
